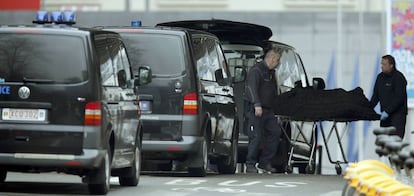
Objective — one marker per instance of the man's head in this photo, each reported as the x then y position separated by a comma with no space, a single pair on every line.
387,63
272,58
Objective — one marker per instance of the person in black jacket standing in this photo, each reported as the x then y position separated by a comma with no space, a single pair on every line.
261,90
390,91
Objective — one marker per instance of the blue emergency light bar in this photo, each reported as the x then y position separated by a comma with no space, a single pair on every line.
136,23
42,16
56,17
69,16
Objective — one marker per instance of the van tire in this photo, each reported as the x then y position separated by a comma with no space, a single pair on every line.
228,164
202,170
130,176
100,179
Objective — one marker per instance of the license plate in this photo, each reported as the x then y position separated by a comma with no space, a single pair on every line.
146,106
23,114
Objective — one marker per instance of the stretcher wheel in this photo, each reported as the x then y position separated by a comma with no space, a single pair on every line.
310,169
289,169
338,169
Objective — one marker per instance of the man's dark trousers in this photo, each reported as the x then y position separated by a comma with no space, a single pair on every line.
397,120
262,130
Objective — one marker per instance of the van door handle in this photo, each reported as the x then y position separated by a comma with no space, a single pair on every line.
226,90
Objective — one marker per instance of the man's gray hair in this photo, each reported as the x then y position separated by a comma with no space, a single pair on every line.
276,50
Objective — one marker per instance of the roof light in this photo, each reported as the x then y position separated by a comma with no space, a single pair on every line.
56,16
136,23
69,17
41,17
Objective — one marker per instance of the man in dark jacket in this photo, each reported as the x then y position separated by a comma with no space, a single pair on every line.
261,90
390,91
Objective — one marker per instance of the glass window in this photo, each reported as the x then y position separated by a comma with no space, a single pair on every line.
289,71
105,61
58,58
208,58
107,71
125,62
164,54
241,55
222,61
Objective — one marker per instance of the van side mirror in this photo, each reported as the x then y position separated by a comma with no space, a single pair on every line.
318,83
144,76
239,74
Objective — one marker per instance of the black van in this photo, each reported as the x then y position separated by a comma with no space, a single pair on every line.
68,104
243,45
190,117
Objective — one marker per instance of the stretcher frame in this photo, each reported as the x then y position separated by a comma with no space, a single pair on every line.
284,121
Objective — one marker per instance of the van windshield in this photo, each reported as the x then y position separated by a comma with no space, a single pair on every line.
163,53
42,58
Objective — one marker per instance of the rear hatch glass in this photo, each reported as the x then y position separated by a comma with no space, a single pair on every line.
42,58
163,53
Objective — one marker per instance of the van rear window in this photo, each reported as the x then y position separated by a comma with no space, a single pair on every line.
42,58
163,53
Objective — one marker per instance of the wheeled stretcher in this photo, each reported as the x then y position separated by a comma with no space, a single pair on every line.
302,112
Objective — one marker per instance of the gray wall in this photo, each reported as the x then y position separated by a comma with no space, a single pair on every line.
314,35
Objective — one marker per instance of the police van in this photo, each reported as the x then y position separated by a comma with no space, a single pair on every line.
68,102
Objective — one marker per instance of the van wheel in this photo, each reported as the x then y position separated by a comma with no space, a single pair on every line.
202,170
228,164
132,174
3,175
100,179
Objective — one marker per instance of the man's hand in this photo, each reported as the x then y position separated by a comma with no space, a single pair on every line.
258,111
384,115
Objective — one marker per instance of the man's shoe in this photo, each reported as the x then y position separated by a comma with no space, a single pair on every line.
265,169
251,168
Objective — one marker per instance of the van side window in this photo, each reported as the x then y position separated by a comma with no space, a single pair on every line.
206,57
122,67
290,70
105,61
122,76
222,61
125,62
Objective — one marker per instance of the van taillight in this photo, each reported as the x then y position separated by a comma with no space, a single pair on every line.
93,113
190,103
